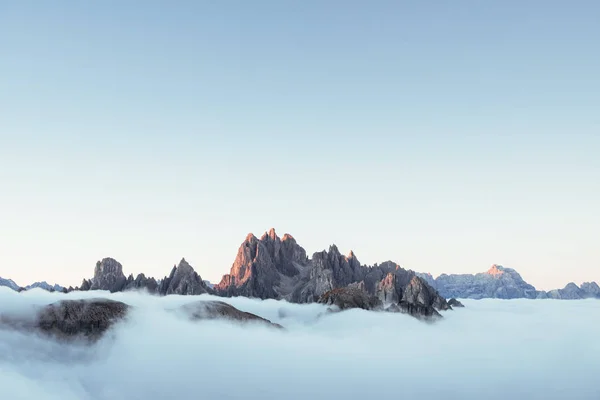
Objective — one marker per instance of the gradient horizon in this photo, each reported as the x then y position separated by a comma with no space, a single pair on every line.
446,137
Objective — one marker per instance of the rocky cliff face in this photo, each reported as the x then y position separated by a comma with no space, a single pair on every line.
352,296
183,280
393,284
327,270
498,282
108,275
355,296
455,303
86,284
265,268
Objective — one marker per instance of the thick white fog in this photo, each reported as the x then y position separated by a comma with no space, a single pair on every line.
492,349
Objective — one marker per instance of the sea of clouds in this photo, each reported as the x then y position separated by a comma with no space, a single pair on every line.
492,349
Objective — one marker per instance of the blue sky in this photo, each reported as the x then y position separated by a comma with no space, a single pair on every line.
445,136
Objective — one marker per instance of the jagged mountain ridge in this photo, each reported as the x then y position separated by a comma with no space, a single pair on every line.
278,268
108,275
9,283
46,286
503,283
573,292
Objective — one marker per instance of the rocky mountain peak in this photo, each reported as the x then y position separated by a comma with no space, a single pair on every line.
108,265
108,275
287,237
141,282
184,265
571,286
333,250
272,234
183,280
261,265
497,282
45,286
330,270
496,270
591,289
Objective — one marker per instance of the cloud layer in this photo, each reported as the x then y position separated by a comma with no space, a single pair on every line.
492,349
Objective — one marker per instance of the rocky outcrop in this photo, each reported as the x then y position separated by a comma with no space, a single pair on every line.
108,275
420,292
210,310
388,290
86,285
71,320
355,296
350,297
455,303
183,280
141,283
89,320
404,292
418,311
498,282
393,284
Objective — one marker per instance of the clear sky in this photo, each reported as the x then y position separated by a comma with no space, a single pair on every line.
445,136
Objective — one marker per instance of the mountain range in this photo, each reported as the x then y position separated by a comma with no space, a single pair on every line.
42,285
504,283
279,268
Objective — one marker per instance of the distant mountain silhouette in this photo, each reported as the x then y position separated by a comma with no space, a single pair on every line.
503,283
